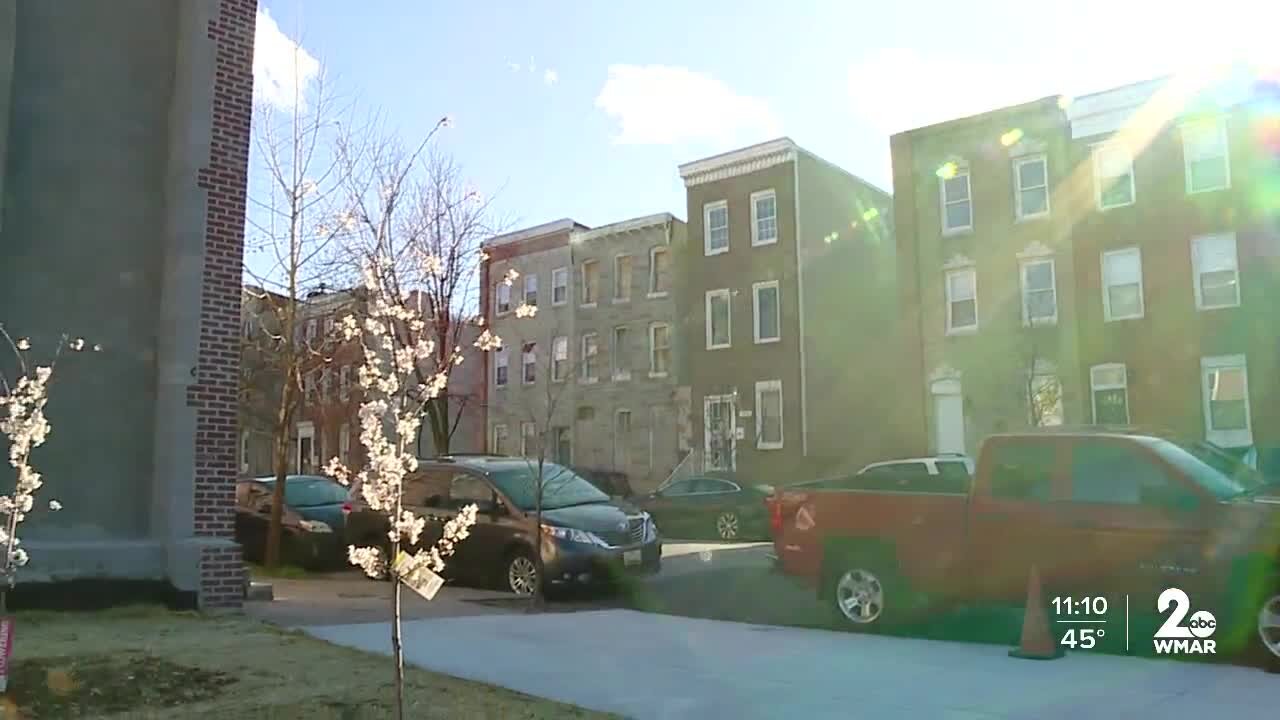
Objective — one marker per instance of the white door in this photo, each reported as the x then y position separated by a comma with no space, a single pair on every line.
305,460
719,429
948,417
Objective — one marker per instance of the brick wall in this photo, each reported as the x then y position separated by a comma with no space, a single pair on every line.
214,394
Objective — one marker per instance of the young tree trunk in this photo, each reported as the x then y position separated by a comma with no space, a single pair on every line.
438,419
538,601
280,465
396,647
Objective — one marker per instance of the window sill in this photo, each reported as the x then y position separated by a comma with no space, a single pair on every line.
769,446
621,378
719,347
621,301
957,232
1051,322
708,252
1122,319
587,306
657,375
1211,308
559,304
655,295
1191,192
958,332
589,381
768,341
502,313
763,243
1106,208
1030,218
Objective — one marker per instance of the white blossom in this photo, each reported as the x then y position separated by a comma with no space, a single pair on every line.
488,341
77,344
526,311
511,276
390,417
23,344
55,506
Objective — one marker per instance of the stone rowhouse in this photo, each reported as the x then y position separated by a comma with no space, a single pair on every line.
124,140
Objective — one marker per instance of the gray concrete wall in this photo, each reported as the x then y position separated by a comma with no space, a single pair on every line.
103,236
8,37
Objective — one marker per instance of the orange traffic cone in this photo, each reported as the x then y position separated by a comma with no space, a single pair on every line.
1037,638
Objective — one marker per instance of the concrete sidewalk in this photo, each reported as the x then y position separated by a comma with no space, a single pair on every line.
664,667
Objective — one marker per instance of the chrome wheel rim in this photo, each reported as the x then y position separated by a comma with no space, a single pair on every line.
522,576
860,596
727,526
1269,625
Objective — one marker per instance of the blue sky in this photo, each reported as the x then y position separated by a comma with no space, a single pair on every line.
584,109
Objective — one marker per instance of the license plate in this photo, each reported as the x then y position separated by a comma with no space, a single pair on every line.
631,557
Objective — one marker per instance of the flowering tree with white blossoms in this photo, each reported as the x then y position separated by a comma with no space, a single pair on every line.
390,416
25,428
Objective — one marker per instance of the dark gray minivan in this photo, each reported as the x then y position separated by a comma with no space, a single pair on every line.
587,537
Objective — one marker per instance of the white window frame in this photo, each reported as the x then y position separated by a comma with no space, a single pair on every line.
1095,386
560,279
501,359
707,209
618,275
952,329
528,358
1196,270
586,285
244,451
653,270
755,310
617,354
1220,126
1095,152
618,414
756,240
1018,189
1023,266
588,359
1226,438
530,279
943,202
762,387
560,365
728,298
498,439
502,291
1106,286
653,350
344,443
528,431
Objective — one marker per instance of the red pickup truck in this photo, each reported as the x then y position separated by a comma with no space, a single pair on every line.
1099,514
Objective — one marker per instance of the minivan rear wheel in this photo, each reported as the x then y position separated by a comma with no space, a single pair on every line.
1269,631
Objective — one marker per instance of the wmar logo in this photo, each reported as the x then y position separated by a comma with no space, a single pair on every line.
1175,637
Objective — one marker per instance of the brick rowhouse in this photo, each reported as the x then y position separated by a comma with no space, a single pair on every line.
214,395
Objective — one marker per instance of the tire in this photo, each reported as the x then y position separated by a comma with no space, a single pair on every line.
863,593
728,525
520,572
1268,631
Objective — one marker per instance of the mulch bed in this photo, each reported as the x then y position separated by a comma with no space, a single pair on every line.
91,686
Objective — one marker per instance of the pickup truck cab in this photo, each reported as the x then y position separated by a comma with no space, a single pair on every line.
1097,513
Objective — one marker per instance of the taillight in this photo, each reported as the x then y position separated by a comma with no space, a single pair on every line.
346,508
775,513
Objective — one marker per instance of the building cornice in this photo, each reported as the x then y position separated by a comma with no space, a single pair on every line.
623,227
738,162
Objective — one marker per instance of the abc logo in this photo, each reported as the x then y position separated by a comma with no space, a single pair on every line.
1202,623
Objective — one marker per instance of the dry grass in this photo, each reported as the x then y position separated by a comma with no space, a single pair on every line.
247,669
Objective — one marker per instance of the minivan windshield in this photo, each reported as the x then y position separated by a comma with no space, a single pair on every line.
561,487
1217,481
310,491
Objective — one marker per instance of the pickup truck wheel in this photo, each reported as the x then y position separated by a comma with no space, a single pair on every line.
859,595
1269,631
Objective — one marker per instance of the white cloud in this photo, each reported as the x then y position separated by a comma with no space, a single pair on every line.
282,69
514,67
662,105
550,77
